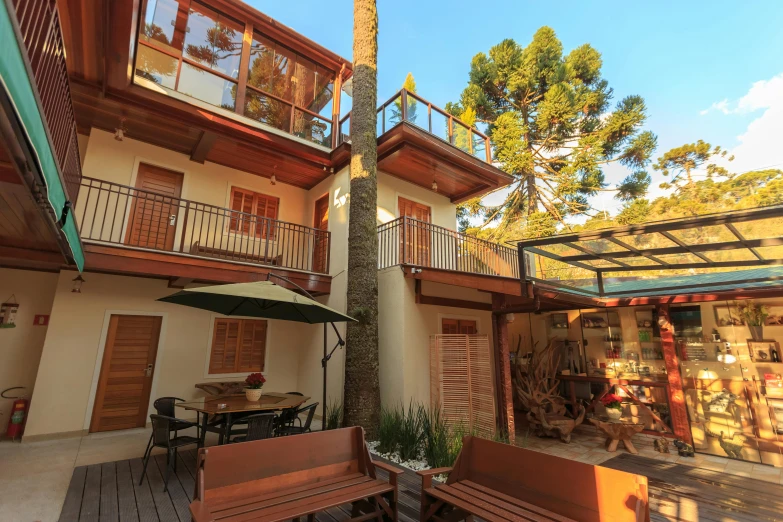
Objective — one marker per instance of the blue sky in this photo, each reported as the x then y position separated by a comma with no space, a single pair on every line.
682,57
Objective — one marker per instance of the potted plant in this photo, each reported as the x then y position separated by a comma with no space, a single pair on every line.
754,315
254,382
614,406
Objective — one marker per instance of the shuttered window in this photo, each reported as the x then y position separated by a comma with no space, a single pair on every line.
258,212
459,326
238,346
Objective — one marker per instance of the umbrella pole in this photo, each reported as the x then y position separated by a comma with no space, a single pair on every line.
323,407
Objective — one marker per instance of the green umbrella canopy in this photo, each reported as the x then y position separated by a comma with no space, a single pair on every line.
260,299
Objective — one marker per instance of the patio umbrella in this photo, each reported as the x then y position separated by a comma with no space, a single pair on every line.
265,299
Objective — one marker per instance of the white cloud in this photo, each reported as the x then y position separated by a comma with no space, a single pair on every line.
721,106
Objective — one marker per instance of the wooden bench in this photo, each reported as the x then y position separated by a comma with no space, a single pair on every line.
498,482
290,477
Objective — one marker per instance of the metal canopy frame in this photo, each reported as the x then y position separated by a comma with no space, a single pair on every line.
650,258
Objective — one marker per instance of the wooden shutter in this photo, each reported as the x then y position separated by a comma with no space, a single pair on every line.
461,380
458,326
449,326
238,345
266,207
241,201
252,348
225,341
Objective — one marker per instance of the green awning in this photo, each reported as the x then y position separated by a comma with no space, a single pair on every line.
18,87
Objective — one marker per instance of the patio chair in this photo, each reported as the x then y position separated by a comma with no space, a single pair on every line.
287,417
165,406
162,427
302,427
259,426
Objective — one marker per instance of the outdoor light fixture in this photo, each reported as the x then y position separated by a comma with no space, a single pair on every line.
77,284
273,180
434,185
119,132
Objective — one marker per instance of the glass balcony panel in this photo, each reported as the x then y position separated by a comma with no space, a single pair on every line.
207,87
345,130
392,114
283,69
414,108
324,92
479,147
268,110
213,40
304,83
462,136
312,128
156,67
262,63
440,125
160,23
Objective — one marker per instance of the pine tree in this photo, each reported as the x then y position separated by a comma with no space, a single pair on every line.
554,130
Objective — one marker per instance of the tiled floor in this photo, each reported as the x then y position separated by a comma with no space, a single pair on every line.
588,446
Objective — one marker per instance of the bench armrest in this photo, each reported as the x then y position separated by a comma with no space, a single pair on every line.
391,470
427,474
199,512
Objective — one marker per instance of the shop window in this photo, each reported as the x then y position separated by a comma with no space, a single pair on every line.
238,346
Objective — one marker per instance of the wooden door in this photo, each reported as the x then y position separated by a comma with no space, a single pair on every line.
321,244
153,216
416,249
459,326
123,393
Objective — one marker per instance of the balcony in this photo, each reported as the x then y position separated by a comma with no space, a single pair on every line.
129,219
408,241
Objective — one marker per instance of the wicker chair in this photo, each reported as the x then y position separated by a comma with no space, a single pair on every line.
165,406
302,427
162,427
259,426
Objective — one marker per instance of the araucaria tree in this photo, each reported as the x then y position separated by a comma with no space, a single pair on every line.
362,401
554,128
680,162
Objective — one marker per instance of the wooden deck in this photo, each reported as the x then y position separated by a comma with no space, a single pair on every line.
110,492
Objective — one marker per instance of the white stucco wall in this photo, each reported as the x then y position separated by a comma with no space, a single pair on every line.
20,347
70,360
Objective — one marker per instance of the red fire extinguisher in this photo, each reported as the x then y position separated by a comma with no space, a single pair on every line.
18,414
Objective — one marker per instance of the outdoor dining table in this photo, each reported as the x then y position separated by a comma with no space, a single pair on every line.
229,405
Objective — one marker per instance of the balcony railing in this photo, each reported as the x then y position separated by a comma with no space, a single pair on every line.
408,241
410,107
39,23
110,213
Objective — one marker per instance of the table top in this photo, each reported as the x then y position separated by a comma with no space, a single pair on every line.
238,403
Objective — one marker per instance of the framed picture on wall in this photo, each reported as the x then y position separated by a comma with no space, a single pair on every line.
559,320
727,315
764,351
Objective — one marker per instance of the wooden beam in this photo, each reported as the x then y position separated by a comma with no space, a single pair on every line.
180,282
203,146
445,301
485,283
678,409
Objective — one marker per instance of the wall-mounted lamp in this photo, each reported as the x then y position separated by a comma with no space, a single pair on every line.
119,132
77,284
434,185
273,180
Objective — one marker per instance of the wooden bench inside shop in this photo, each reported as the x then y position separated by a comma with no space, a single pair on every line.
290,477
497,482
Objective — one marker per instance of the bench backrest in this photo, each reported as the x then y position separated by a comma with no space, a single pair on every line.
566,487
280,463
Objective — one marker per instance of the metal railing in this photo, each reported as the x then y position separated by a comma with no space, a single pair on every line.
39,23
408,241
110,213
410,107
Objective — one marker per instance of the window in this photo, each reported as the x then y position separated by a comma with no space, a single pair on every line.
459,326
191,48
258,212
238,346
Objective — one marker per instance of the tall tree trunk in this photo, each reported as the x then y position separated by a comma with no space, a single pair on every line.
362,388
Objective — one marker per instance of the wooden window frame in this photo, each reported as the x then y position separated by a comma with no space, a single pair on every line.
459,323
237,369
244,65
253,231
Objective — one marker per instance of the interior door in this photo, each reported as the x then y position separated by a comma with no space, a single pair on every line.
153,216
416,249
123,393
321,244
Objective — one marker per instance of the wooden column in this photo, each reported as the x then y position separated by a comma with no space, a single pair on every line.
679,411
504,391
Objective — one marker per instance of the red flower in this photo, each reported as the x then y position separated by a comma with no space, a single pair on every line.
610,400
255,380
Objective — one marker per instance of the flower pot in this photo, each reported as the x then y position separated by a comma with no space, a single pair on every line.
614,413
756,332
253,394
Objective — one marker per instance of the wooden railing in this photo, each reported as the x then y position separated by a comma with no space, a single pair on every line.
39,23
111,213
408,241
410,107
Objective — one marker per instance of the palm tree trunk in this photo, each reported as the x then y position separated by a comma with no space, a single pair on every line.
362,389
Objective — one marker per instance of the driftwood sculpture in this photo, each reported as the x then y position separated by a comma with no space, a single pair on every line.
537,391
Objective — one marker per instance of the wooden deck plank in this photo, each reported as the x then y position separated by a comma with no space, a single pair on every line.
144,502
126,499
163,502
73,499
179,498
110,511
185,477
91,500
